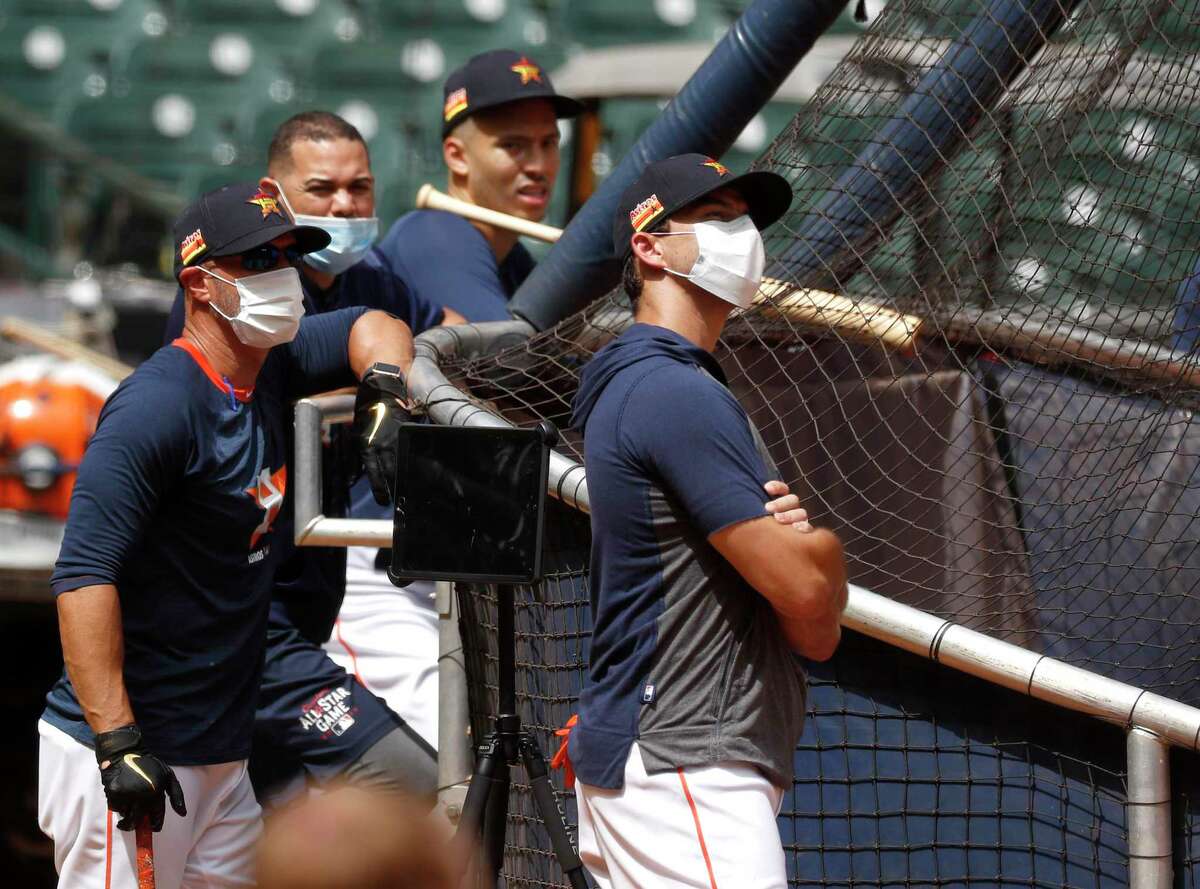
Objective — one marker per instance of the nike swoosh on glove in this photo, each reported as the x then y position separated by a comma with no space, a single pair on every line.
135,780
380,407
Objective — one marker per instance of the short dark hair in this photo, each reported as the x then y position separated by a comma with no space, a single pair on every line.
632,279
314,126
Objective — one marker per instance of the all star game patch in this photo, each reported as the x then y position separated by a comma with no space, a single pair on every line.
456,104
193,245
643,214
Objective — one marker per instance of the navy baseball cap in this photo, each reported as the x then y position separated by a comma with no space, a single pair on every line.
234,219
496,78
668,185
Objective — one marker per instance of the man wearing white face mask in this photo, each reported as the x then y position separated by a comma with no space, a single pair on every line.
319,167
165,573
702,603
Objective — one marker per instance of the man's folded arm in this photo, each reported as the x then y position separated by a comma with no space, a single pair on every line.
802,575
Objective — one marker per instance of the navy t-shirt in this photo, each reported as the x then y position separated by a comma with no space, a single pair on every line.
447,261
686,658
176,504
311,581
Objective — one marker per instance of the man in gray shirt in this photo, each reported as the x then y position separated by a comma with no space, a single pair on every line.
701,602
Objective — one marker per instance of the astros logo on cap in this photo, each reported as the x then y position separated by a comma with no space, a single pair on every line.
527,70
193,245
267,203
456,103
716,165
643,214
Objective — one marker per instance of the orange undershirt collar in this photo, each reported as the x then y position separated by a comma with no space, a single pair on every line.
222,383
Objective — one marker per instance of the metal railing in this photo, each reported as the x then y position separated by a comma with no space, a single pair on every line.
1152,722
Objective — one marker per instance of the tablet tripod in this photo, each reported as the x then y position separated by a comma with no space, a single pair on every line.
485,809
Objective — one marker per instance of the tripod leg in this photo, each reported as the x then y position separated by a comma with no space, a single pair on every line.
495,827
483,780
551,812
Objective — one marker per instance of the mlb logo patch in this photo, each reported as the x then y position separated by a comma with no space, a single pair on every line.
648,693
643,214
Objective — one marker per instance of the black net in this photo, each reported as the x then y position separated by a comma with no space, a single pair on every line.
908,774
987,389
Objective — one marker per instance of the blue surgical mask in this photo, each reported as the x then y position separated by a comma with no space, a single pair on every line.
349,241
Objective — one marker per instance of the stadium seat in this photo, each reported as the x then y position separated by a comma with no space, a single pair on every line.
589,23
219,68
98,29
159,132
40,68
444,33
289,29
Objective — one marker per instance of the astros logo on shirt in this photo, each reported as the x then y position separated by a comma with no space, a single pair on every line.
268,494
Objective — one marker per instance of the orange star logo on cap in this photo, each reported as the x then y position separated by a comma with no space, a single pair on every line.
527,70
716,165
267,203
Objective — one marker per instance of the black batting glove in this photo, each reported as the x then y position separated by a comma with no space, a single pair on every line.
135,780
379,408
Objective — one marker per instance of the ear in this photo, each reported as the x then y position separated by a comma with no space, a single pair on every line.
648,250
269,185
454,153
194,284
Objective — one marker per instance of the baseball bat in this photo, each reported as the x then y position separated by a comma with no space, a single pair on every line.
858,320
429,198
145,855
32,334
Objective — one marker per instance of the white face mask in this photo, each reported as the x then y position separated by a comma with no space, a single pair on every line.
349,239
270,310
730,261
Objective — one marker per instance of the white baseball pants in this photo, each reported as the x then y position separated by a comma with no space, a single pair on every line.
708,828
387,637
212,847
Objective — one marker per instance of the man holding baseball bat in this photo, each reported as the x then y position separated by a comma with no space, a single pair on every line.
701,603
500,145
164,579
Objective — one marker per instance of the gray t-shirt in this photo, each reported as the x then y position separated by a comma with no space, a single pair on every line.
686,658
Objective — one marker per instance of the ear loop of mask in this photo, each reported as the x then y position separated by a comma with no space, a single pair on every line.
690,231
233,284
283,198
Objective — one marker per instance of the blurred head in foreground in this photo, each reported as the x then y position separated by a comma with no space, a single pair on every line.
351,838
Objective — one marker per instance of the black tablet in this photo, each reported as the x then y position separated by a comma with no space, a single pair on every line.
469,503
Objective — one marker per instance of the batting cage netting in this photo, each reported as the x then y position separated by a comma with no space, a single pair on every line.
979,369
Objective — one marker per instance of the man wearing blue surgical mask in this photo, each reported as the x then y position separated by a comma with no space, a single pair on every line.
319,167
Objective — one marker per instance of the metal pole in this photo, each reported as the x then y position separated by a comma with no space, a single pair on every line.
1148,810
455,761
307,466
